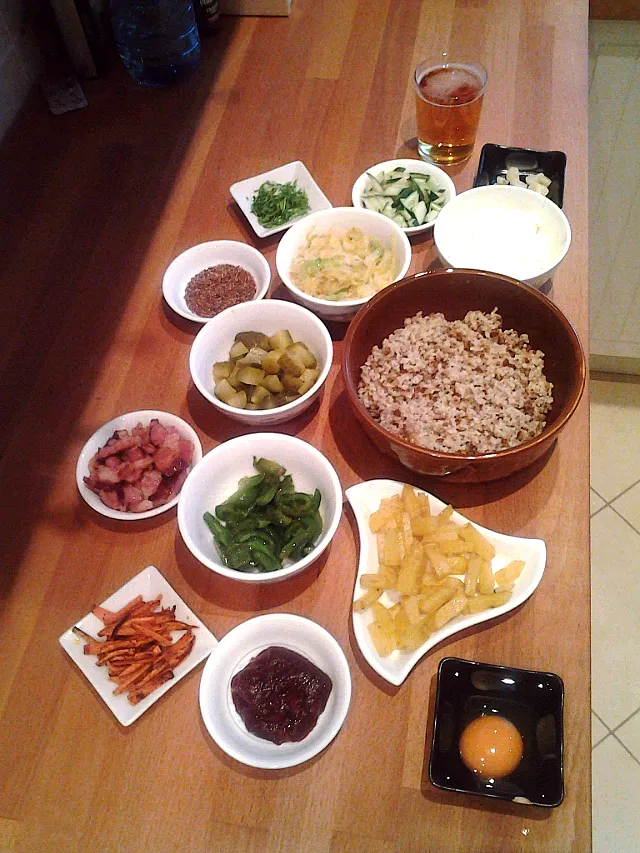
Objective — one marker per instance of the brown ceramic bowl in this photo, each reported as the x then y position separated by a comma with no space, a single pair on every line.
453,293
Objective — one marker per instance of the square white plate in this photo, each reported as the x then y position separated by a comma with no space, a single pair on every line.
243,191
149,583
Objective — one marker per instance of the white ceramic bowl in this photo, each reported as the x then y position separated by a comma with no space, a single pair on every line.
440,178
216,476
503,229
267,316
183,268
340,219
234,652
100,438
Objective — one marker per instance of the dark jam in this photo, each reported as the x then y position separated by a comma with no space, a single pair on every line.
280,695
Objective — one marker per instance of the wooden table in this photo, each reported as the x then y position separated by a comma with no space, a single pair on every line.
101,200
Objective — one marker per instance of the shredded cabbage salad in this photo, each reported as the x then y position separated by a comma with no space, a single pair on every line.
337,266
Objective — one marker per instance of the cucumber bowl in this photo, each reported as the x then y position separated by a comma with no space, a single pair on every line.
409,192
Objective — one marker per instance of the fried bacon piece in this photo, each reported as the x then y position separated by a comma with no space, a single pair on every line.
139,470
140,652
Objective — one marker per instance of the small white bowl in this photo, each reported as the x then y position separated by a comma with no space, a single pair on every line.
234,652
100,438
243,192
183,268
340,219
440,178
269,316
503,229
216,476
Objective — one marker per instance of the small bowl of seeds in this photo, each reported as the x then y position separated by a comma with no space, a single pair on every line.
210,277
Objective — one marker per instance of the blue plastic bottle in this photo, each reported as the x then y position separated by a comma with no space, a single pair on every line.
157,40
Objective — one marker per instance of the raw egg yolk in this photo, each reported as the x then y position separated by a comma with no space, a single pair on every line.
491,746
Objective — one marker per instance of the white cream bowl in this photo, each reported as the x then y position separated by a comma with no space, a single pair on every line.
439,176
503,229
267,316
340,219
198,258
215,478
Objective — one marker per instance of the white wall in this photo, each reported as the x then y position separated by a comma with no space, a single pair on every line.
19,61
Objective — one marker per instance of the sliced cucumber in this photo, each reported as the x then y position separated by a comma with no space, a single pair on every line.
408,198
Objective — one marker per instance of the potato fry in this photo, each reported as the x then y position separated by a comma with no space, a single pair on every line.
510,573
140,653
439,569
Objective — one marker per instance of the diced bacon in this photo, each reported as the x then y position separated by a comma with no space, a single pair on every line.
166,460
140,470
111,500
149,482
134,454
118,446
143,506
108,476
185,449
157,432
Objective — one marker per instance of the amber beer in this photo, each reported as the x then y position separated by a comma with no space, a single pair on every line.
448,105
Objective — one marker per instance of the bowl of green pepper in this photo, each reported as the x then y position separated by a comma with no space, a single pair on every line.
260,508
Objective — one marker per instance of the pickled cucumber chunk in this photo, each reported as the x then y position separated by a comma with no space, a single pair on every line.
265,371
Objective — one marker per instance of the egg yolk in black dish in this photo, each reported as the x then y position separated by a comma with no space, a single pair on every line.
491,747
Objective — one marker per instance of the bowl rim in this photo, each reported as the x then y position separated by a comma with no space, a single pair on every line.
407,162
342,303
498,189
327,535
258,415
261,289
549,431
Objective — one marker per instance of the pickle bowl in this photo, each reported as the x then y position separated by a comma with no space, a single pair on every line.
339,220
269,316
217,477
235,651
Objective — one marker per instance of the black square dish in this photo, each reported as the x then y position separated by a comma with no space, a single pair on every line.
532,701
495,160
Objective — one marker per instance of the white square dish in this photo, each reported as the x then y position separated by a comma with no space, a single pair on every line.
243,191
148,583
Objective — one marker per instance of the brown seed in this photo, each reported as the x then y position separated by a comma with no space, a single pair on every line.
216,288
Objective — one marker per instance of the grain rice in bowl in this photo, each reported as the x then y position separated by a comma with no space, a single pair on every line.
484,363
460,386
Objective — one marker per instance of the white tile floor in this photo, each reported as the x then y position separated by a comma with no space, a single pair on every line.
615,615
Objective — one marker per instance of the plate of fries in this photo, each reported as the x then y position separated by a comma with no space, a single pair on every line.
137,644
425,573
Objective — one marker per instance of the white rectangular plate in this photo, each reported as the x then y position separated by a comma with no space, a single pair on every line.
149,583
365,499
243,191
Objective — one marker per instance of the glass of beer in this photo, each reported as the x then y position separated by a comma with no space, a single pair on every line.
449,94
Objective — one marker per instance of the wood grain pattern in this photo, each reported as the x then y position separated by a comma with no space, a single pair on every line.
101,200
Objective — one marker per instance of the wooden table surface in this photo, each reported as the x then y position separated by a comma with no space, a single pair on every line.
99,202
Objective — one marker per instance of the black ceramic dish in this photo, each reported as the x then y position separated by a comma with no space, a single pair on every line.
495,159
532,701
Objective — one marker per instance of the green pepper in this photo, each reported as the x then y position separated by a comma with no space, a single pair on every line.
220,533
266,466
299,504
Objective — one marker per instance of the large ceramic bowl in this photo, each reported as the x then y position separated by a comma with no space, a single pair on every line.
267,316
340,220
503,229
215,478
454,292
